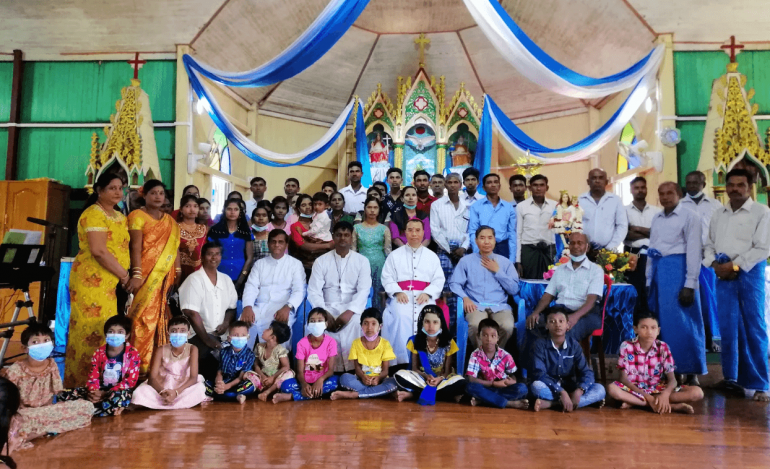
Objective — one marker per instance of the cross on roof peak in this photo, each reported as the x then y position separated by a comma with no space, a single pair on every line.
734,49
421,42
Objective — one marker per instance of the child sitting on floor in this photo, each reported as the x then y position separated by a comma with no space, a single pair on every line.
234,362
114,371
174,380
490,372
432,375
321,227
559,369
370,355
316,356
647,373
271,364
38,380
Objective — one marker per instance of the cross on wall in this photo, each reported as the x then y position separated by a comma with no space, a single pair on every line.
136,64
734,49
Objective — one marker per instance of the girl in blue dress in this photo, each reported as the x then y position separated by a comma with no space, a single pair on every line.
233,233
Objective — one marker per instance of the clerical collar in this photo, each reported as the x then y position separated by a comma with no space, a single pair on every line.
341,257
277,259
417,249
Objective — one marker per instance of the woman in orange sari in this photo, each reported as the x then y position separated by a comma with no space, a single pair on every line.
155,268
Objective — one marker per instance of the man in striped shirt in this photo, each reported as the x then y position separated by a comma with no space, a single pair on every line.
448,227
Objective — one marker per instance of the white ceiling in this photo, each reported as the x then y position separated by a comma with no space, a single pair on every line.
594,37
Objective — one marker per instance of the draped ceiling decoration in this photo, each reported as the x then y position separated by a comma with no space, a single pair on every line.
507,38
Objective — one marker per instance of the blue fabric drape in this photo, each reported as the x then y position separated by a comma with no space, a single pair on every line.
483,155
362,152
619,315
707,281
557,68
333,22
63,310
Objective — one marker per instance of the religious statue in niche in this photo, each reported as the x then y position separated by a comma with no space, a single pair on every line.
380,152
419,151
567,218
462,146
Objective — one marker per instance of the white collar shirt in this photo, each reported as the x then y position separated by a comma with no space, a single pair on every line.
743,235
605,222
210,301
532,223
641,218
572,286
704,209
342,283
275,280
354,200
449,225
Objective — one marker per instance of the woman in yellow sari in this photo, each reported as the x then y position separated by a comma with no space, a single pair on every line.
155,268
101,263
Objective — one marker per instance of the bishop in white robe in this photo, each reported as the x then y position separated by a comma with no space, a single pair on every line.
340,283
274,290
412,277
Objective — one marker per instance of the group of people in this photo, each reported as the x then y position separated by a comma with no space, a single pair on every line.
198,309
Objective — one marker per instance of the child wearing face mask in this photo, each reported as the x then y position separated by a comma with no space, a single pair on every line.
260,223
234,362
432,375
370,355
321,227
114,371
316,356
38,380
271,366
174,381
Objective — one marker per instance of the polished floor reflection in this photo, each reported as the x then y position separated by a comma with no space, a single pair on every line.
376,433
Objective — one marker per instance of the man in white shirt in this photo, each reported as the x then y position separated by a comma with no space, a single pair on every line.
355,193
578,285
471,182
536,243
340,283
258,186
412,278
449,230
274,290
640,215
604,217
704,206
208,299
737,248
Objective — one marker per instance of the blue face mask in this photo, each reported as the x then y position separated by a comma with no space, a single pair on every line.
304,215
40,352
410,207
577,258
177,339
431,335
238,342
259,228
316,329
115,340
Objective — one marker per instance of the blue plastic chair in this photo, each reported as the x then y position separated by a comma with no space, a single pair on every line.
298,329
462,337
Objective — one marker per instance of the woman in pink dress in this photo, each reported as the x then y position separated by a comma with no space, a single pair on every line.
174,380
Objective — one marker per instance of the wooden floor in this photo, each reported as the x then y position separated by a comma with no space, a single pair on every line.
383,433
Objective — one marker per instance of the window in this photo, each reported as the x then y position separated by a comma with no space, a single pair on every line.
627,136
221,151
219,190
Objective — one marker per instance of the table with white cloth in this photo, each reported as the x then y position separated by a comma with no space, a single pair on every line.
618,319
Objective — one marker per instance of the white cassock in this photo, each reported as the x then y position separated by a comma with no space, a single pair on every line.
273,284
338,284
400,320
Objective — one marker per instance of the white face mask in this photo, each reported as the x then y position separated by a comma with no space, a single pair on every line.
316,329
577,258
699,194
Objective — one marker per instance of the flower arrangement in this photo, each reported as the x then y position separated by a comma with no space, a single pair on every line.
616,265
613,264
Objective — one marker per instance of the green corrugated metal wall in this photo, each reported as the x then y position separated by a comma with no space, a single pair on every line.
82,92
694,73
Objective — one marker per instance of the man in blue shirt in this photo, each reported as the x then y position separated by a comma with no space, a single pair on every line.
560,373
484,280
496,213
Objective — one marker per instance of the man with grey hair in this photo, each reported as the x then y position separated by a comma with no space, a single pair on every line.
449,229
578,285
604,217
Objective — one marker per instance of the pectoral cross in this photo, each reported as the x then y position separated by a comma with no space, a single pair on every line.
733,47
411,286
421,42
136,64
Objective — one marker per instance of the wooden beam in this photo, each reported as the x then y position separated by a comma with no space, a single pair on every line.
12,160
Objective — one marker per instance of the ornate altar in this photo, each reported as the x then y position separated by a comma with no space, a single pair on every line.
130,144
731,138
420,130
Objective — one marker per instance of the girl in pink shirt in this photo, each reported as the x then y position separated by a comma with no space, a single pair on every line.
316,355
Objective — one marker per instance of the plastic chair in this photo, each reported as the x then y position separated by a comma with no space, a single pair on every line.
586,343
462,337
